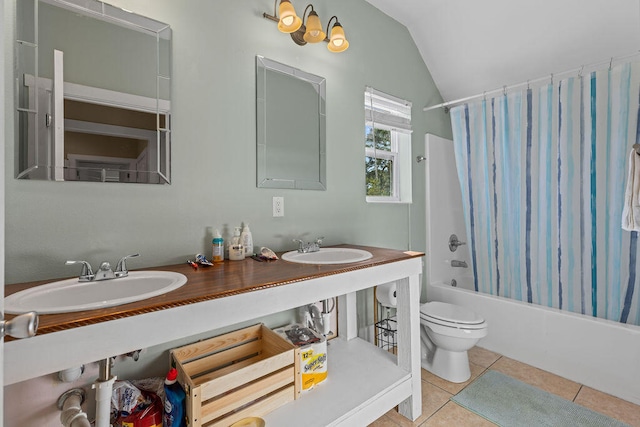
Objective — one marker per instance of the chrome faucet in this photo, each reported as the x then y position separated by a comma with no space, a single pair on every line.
456,263
105,272
86,274
121,267
309,246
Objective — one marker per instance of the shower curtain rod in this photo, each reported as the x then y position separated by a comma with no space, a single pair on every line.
505,88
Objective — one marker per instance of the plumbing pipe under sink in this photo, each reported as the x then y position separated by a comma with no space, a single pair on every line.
70,403
104,389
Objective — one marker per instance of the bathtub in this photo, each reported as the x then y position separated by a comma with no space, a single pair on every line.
598,353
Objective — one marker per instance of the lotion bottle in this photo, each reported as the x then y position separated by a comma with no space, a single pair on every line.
246,239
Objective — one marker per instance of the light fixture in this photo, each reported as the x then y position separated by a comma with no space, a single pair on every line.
313,33
310,30
337,40
289,22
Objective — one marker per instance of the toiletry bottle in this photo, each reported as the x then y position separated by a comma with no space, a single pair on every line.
218,247
235,239
236,252
174,401
247,240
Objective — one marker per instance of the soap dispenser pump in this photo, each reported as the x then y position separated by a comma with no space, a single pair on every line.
235,240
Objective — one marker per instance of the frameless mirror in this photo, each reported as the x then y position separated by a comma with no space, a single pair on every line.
291,122
92,88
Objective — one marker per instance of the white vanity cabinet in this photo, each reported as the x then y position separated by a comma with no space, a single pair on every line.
363,383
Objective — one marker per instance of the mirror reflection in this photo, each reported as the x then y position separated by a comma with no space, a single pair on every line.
93,93
290,127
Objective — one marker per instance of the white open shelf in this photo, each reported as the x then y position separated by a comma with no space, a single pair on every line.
363,382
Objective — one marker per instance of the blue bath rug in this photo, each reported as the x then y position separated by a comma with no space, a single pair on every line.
511,403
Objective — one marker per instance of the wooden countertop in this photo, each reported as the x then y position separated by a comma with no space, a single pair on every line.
207,283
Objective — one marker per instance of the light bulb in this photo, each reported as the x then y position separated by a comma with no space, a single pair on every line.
314,33
337,41
288,20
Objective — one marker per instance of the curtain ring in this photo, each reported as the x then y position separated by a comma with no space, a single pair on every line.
504,90
551,79
580,72
610,63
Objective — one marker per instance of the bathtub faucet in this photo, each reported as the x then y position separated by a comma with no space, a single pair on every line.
456,263
454,242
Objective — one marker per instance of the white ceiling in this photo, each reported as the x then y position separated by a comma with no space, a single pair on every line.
473,46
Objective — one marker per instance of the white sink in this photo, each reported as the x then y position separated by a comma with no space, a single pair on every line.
71,295
328,256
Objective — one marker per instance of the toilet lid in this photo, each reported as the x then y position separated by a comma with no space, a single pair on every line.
444,312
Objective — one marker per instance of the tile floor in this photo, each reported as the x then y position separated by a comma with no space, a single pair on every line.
439,411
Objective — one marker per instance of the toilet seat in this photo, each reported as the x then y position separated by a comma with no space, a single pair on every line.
451,316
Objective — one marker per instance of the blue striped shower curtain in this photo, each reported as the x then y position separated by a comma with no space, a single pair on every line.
543,174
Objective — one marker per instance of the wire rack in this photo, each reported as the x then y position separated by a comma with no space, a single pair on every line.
386,331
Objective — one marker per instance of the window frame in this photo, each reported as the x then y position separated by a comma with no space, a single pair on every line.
387,112
393,154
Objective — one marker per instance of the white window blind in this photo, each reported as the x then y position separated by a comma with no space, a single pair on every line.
383,109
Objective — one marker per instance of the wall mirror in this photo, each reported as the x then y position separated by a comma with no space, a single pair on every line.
92,86
291,121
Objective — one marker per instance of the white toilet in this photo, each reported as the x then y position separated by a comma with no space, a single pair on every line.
447,331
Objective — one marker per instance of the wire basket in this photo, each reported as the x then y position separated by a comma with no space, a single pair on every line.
386,330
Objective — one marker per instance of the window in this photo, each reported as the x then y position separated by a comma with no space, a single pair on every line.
387,148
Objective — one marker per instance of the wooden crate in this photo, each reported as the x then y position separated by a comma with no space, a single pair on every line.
245,373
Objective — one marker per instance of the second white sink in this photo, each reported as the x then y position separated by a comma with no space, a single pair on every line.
72,295
328,256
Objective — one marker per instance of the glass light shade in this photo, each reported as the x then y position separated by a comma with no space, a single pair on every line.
337,41
314,33
289,21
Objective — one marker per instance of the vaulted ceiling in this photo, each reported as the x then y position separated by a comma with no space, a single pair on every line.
473,46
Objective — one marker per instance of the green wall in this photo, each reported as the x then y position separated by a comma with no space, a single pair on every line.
214,157
214,154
